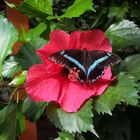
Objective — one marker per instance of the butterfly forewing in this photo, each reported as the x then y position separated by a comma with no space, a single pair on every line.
97,61
102,59
71,59
95,74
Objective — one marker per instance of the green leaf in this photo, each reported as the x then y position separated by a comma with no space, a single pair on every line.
8,36
33,110
78,8
117,93
8,128
36,8
27,55
131,66
65,136
80,121
10,68
33,33
20,123
118,11
66,25
3,114
44,6
124,33
20,79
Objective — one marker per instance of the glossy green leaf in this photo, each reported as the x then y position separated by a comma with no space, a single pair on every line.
10,68
118,11
20,123
8,36
131,65
66,25
27,55
80,121
20,79
32,33
37,43
78,8
123,91
36,8
8,128
33,110
44,6
28,10
65,136
124,33
3,113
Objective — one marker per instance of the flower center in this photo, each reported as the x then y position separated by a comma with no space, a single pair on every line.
73,74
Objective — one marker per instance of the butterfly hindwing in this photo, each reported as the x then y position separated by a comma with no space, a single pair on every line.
95,74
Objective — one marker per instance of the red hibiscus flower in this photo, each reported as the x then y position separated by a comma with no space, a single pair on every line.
47,81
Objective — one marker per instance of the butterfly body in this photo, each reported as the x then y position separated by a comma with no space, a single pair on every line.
89,64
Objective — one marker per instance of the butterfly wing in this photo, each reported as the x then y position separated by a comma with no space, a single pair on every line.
95,74
71,59
98,61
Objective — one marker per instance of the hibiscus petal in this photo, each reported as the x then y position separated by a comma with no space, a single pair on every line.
59,40
103,83
90,40
73,96
41,85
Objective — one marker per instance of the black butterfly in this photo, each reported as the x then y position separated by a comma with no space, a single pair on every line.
91,64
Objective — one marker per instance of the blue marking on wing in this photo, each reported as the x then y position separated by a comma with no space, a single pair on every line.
109,54
62,52
95,63
75,62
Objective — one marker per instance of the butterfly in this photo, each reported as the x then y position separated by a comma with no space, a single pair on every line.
89,65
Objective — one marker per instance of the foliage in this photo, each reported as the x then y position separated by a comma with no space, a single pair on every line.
29,112
9,36
8,124
79,121
131,66
109,116
118,93
20,79
123,34
10,67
